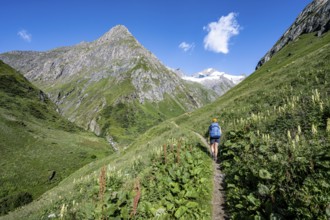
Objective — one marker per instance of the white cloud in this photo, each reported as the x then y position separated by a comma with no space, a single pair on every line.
25,35
186,47
219,33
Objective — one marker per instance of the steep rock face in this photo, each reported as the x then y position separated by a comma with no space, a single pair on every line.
96,84
314,18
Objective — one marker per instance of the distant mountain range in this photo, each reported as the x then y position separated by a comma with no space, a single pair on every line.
220,82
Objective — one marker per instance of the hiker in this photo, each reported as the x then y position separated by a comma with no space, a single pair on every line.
214,132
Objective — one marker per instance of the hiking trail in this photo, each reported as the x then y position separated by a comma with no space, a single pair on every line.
218,198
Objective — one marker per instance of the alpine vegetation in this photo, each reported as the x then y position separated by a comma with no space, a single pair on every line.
275,144
39,148
112,86
274,137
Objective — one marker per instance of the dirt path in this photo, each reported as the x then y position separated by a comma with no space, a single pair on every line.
218,199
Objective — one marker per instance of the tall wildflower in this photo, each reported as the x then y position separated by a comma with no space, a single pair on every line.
178,153
137,189
321,106
165,151
63,211
289,135
102,182
299,129
314,129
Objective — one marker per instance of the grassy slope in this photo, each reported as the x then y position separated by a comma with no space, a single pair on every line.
35,141
256,117
125,167
114,106
305,69
276,123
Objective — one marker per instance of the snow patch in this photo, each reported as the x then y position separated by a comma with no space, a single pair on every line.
212,74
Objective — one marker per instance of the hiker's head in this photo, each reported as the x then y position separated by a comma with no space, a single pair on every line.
214,120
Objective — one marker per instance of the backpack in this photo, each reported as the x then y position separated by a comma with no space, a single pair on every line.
215,130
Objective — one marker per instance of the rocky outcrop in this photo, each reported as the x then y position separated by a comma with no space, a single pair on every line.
314,18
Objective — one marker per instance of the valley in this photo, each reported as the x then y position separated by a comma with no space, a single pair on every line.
103,130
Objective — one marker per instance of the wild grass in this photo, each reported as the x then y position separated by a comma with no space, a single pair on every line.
126,165
38,147
274,133
274,150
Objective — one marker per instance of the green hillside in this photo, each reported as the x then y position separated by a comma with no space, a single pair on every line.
275,147
143,163
115,107
112,86
38,148
274,151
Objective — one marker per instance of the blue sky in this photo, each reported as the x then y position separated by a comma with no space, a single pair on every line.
228,35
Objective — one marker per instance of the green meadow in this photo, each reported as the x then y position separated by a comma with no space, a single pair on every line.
274,153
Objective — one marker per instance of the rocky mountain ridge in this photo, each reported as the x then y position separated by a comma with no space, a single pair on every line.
92,82
314,18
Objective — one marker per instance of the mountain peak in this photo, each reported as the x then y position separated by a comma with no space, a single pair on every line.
219,82
314,18
117,32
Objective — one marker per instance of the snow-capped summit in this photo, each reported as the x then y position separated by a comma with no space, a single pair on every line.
218,81
213,74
